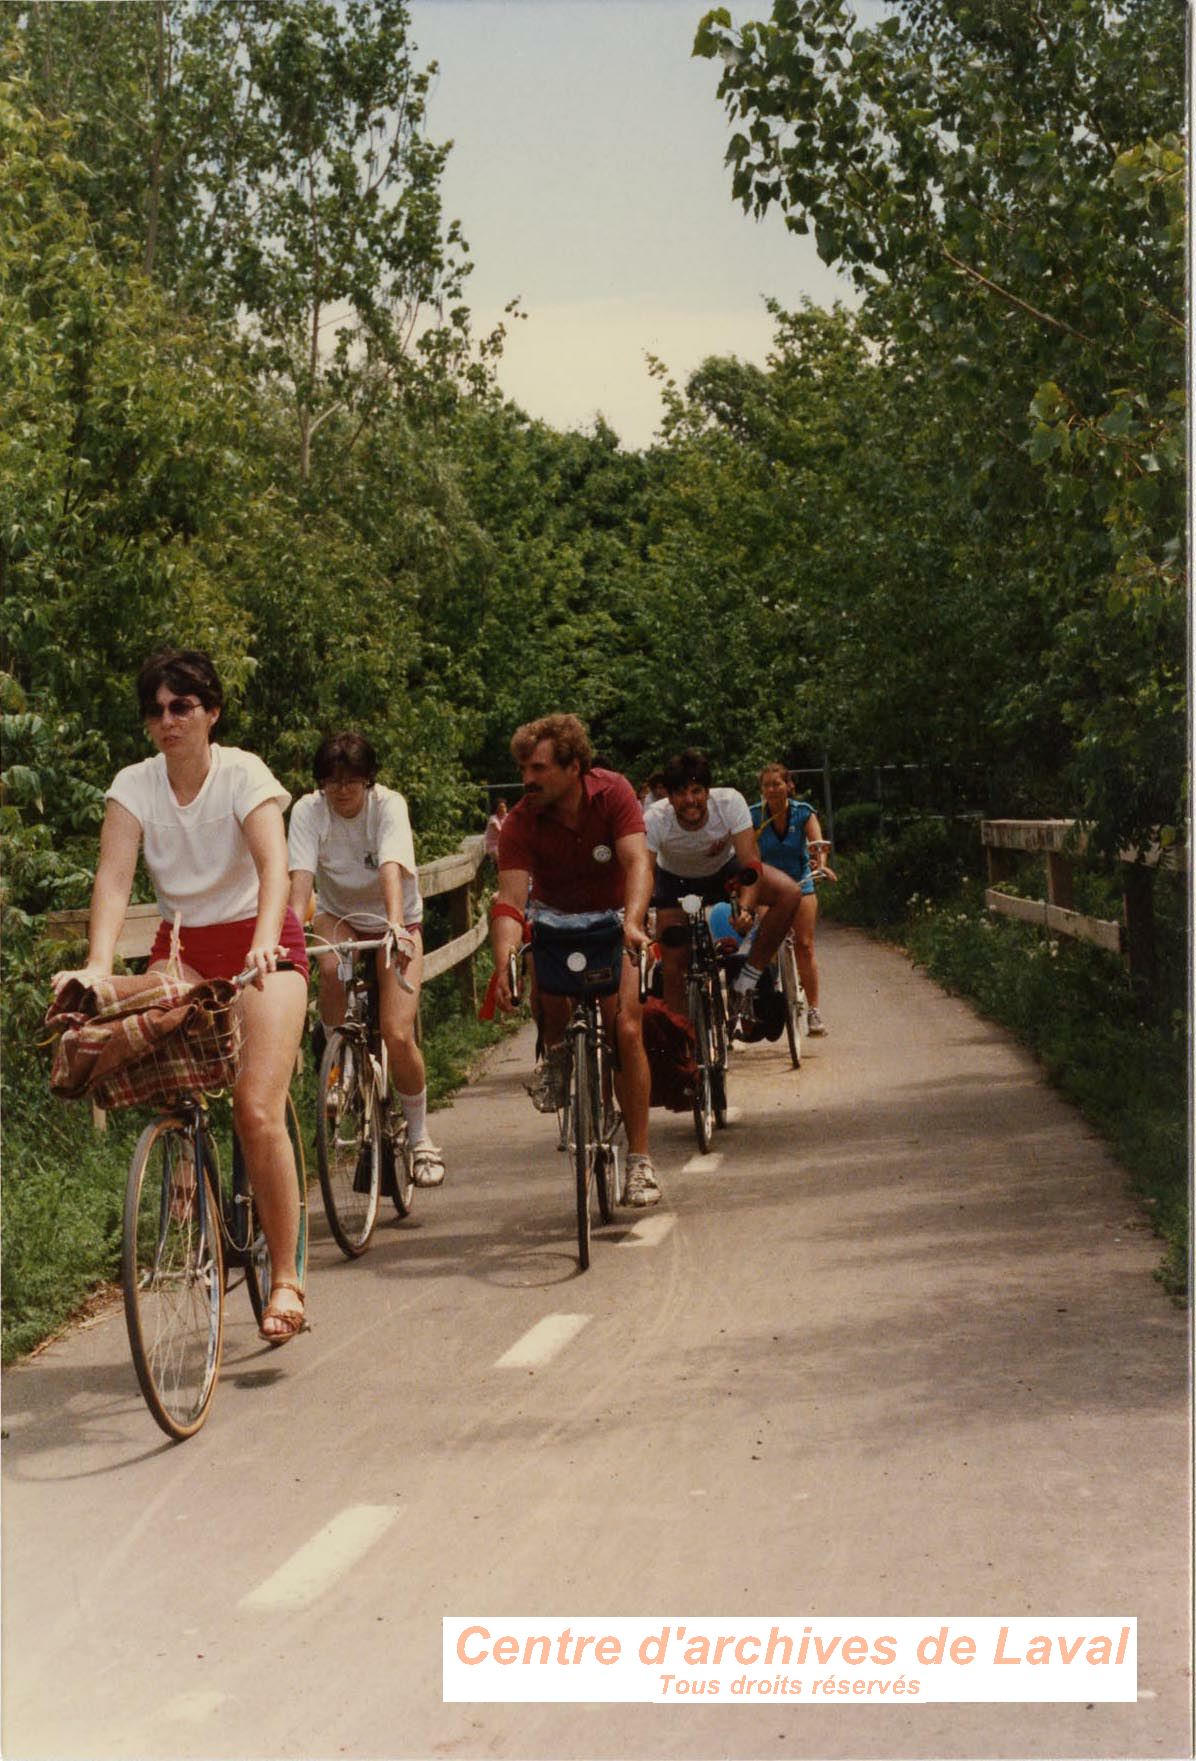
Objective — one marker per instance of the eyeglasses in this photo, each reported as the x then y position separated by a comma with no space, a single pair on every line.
178,707
330,783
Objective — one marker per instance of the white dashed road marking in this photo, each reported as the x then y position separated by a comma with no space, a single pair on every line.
651,1231
546,1338
323,1559
196,1706
703,1164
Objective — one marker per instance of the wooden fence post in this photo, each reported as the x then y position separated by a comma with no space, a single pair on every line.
1139,924
461,921
1000,864
1060,890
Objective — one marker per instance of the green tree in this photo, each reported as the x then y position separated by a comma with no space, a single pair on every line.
1006,190
270,162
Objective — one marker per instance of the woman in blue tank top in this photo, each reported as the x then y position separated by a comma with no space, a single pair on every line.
789,837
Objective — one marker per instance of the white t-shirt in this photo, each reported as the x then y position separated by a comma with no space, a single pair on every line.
697,854
197,855
345,855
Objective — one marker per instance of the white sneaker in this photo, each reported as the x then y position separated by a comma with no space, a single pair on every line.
642,1186
549,1084
427,1164
814,1023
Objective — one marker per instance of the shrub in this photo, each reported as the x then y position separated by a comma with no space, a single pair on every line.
857,824
925,858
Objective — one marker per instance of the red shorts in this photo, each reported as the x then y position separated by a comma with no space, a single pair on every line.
218,950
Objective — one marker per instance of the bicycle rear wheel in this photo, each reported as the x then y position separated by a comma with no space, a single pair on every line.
348,1143
792,991
258,1276
398,1166
173,1276
584,1126
704,1089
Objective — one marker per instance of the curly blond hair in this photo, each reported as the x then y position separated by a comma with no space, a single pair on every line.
569,740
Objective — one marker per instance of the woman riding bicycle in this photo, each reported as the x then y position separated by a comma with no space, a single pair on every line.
789,837
208,820
352,840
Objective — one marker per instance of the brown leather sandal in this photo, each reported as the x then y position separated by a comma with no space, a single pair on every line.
293,1320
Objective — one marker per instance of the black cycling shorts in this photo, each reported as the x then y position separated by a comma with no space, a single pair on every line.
671,888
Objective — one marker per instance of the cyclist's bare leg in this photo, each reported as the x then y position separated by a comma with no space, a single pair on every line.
272,1020
673,961
803,941
624,1016
330,992
554,1018
782,896
397,1010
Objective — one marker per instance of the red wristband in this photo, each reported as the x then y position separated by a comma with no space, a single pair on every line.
500,908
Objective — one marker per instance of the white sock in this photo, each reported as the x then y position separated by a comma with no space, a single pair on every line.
415,1111
748,979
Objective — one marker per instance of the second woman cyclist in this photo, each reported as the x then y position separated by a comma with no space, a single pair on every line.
352,840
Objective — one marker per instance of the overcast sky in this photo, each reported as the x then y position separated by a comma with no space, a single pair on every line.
588,175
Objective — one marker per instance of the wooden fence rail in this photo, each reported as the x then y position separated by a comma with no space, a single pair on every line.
1063,842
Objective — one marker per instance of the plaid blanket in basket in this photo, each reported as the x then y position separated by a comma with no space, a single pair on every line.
143,1040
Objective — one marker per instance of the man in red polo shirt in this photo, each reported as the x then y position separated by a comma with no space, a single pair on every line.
576,841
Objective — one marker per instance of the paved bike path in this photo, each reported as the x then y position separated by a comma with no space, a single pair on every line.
899,1352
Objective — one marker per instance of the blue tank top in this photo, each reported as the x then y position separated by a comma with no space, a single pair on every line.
788,853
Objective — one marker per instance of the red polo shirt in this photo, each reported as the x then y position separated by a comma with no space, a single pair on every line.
574,869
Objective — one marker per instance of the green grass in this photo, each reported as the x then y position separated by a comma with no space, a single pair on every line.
61,1203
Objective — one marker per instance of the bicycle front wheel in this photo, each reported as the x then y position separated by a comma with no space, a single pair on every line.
584,1115
398,1164
718,1053
791,989
348,1143
173,1276
704,1088
258,1273
607,1182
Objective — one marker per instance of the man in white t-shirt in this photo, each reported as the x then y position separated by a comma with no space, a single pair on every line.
352,841
702,841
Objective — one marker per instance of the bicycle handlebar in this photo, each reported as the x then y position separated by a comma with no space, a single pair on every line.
516,990
352,946
250,973
642,962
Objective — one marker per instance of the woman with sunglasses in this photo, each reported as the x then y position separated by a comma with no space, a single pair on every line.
351,840
208,820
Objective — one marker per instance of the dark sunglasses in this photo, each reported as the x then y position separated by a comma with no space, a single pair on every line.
177,706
